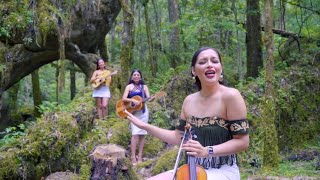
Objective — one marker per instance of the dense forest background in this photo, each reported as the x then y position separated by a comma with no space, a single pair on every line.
270,52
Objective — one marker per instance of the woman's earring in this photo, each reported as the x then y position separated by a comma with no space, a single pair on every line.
193,77
221,78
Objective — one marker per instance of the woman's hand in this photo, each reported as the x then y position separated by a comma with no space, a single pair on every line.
151,98
134,119
135,102
194,148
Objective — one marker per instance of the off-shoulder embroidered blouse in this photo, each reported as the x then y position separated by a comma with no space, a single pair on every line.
211,131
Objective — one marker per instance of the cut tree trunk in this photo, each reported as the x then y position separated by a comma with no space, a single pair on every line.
108,162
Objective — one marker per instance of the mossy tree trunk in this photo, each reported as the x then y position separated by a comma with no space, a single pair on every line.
270,152
127,42
73,87
36,91
240,63
158,39
173,10
152,58
57,82
253,39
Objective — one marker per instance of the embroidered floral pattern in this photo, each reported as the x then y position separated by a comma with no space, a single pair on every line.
238,126
201,122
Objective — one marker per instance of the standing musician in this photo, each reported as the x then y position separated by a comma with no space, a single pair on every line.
102,92
137,87
217,115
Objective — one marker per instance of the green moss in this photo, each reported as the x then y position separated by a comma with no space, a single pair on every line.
166,162
9,163
153,146
119,132
85,171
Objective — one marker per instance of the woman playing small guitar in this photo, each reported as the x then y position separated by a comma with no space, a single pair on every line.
101,92
136,87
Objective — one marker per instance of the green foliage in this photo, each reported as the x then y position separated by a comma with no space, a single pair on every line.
85,171
16,16
11,135
121,134
292,169
9,163
48,106
57,141
165,162
153,146
161,119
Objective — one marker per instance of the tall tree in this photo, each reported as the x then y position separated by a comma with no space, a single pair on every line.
174,34
73,87
127,41
253,39
240,71
36,92
270,152
152,60
158,39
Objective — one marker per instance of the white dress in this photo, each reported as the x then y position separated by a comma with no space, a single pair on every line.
143,117
101,91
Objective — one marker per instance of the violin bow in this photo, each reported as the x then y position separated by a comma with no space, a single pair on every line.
179,153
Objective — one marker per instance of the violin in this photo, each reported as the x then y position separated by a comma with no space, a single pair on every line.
190,171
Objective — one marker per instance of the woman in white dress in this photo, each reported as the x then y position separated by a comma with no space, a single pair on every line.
136,87
102,92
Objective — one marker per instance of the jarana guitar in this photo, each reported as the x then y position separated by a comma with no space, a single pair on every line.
131,107
102,78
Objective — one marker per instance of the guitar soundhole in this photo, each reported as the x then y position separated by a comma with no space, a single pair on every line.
132,105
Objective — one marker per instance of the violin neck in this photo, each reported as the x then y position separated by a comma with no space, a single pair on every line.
192,167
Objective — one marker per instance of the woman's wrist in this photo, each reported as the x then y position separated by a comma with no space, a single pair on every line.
210,151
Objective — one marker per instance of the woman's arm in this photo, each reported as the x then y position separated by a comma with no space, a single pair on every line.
93,77
169,136
125,96
146,89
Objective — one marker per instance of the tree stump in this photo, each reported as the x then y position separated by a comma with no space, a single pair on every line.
62,175
108,162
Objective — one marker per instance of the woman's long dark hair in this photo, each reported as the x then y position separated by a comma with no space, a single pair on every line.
141,80
194,61
97,63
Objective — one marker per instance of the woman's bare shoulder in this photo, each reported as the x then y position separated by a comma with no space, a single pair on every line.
230,92
191,96
129,86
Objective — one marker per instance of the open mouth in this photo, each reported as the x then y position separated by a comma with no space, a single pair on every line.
210,73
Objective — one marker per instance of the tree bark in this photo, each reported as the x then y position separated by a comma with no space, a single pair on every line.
253,39
73,87
270,152
36,91
158,39
105,162
127,41
152,59
240,63
173,10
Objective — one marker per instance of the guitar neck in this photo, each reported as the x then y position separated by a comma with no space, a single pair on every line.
146,99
